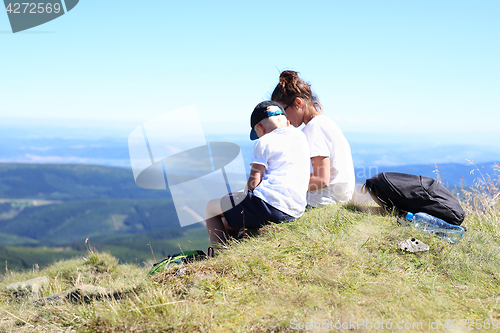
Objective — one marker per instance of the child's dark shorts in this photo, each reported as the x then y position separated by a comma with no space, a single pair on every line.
257,212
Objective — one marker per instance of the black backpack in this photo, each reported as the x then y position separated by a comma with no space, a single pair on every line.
410,193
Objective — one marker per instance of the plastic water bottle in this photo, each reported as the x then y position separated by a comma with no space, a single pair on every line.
429,223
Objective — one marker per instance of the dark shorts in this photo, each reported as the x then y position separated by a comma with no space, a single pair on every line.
256,212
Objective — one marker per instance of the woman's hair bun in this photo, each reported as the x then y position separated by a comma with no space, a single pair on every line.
291,86
289,83
289,77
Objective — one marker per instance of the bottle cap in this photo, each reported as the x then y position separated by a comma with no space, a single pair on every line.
409,216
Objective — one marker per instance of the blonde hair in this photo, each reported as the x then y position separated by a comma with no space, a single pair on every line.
274,122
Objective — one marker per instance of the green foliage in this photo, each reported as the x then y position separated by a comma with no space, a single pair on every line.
62,224
13,240
11,260
19,258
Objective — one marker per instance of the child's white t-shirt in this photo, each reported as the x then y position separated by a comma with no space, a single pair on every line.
326,139
285,154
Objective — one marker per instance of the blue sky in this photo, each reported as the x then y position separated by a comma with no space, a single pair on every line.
397,69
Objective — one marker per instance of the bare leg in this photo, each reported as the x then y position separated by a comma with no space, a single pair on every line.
216,230
215,226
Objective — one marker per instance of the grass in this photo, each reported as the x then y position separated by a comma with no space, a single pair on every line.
128,248
333,265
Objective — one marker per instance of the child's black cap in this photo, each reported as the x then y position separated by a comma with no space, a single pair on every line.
262,111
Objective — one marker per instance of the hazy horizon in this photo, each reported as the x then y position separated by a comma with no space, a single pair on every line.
108,146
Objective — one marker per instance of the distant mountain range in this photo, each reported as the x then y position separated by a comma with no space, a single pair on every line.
71,182
61,205
367,150
57,204
450,174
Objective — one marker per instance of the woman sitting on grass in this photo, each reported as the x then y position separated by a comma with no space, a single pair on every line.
332,175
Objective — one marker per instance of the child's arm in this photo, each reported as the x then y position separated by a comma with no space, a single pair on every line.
256,172
321,173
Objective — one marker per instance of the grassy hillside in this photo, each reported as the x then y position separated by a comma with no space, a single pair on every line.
130,248
64,223
334,266
59,206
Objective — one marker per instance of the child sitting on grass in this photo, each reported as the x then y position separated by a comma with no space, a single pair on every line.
278,181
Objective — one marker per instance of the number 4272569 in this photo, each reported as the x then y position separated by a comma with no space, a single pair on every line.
33,8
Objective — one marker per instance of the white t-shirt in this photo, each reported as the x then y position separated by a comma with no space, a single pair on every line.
326,139
285,154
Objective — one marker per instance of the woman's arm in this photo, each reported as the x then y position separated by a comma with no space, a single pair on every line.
256,172
320,177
